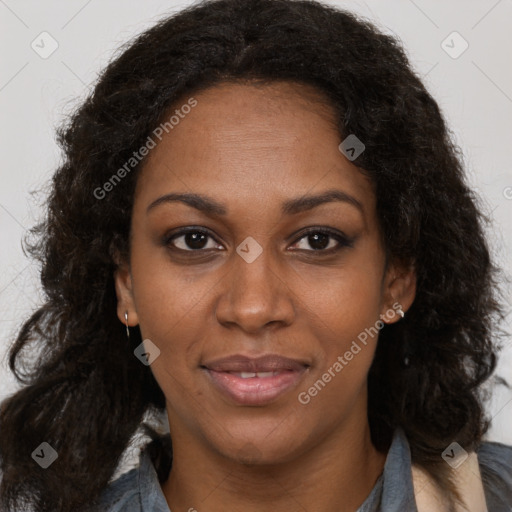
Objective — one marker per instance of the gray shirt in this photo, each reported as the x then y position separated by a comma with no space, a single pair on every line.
138,490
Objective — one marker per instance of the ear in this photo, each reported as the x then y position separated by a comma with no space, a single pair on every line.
124,292
398,291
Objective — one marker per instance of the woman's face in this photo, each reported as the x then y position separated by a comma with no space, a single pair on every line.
248,281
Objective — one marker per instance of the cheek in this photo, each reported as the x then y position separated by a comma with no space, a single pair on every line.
169,308
166,295
348,300
347,327
344,314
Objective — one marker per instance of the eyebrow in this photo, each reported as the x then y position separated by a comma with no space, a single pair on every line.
211,207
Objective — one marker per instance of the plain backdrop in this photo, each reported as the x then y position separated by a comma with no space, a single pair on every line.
461,49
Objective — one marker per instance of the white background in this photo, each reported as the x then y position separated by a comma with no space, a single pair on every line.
474,91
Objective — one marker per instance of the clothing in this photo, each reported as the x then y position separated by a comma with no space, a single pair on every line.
139,490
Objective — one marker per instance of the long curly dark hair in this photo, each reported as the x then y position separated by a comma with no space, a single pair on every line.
87,395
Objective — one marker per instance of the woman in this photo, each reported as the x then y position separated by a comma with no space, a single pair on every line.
267,198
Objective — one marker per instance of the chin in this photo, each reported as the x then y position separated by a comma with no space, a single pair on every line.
261,450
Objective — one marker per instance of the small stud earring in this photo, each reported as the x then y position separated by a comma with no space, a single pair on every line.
399,311
126,321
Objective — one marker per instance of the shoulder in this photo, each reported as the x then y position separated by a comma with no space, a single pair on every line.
495,461
122,494
137,490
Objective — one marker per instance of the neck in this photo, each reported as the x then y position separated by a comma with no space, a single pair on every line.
337,474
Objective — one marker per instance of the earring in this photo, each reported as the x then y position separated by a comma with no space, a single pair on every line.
126,321
399,311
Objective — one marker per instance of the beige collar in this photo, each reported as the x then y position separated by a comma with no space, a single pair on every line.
469,483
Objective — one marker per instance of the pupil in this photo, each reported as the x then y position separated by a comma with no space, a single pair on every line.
195,240
313,240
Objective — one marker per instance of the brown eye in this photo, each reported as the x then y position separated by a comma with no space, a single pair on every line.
191,240
324,240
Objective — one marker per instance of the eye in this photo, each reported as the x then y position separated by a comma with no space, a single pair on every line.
190,239
318,239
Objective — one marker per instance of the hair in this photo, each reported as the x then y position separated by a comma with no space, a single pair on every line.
87,395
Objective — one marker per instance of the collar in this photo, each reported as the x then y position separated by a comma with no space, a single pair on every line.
150,493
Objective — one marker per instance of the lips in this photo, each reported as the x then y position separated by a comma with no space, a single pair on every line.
267,363
255,381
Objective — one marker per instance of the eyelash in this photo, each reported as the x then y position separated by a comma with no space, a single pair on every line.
343,241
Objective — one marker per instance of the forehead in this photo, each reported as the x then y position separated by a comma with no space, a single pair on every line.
245,141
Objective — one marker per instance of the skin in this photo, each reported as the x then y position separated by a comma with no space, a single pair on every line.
251,148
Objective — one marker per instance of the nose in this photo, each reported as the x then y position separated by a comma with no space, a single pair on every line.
254,293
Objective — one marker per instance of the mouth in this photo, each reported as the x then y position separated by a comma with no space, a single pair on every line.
255,381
